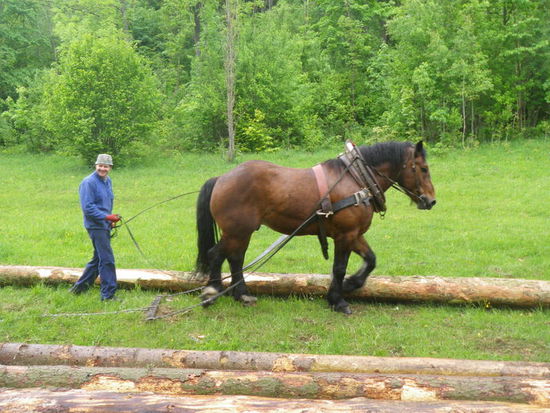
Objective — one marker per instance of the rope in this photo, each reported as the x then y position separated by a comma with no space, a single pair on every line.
260,261
129,310
160,203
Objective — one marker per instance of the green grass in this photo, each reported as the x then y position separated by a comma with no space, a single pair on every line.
492,220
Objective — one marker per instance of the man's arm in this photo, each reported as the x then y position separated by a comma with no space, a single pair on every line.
87,203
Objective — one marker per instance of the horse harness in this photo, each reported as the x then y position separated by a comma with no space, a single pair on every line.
363,175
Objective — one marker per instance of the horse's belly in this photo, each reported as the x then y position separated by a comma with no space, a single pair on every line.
287,225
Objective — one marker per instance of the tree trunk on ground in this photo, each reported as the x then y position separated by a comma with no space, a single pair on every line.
180,382
79,401
50,354
450,290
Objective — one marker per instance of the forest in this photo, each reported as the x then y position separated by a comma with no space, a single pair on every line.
128,77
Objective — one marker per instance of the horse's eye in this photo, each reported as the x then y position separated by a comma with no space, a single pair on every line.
425,170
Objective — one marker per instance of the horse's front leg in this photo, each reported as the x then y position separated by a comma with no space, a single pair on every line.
357,280
341,257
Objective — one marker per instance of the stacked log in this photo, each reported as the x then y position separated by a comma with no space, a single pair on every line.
330,383
84,401
92,356
450,290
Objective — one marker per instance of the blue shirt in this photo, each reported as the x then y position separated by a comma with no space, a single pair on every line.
96,200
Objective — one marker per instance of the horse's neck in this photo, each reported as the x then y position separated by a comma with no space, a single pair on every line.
387,170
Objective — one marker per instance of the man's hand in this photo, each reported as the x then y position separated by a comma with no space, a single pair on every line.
113,218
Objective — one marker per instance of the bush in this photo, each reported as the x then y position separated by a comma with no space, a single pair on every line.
104,99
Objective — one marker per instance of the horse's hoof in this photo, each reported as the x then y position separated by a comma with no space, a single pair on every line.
248,300
342,308
199,276
208,296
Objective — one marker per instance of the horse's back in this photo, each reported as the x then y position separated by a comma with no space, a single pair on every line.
260,192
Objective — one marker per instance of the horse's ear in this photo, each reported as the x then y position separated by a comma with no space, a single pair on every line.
419,149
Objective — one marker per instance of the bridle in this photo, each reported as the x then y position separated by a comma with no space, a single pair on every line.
396,185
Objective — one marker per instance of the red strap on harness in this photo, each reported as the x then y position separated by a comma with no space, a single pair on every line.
320,177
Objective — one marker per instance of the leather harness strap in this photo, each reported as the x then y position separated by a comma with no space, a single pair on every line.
326,206
363,175
320,177
370,192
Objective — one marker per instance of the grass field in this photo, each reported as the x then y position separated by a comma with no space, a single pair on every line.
492,220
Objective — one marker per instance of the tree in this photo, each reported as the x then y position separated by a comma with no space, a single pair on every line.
350,34
103,100
197,122
275,98
231,7
26,43
517,43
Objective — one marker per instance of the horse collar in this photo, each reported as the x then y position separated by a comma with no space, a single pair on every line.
363,175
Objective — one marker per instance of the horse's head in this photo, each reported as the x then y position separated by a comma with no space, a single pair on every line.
415,178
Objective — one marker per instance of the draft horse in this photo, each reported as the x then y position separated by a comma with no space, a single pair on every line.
259,193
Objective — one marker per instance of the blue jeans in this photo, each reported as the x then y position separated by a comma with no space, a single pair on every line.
102,265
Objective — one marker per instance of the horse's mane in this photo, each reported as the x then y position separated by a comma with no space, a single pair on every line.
392,152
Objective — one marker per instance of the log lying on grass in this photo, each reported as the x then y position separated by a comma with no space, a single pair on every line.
77,401
50,354
493,291
180,382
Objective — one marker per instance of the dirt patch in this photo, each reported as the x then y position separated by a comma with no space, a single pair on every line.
508,345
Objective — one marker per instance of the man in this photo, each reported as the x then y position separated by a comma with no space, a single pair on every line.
96,200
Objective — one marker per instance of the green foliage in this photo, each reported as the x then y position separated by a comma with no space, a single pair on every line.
198,119
72,18
272,92
26,116
254,134
103,100
26,43
307,73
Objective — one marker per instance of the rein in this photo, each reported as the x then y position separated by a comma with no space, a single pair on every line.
273,249
124,222
160,203
396,185
258,262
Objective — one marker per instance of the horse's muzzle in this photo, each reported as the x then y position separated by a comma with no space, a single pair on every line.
425,202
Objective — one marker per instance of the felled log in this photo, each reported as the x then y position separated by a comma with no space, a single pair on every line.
49,354
452,290
181,382
80,401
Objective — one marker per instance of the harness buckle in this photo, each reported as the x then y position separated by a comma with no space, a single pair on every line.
324,214
360,196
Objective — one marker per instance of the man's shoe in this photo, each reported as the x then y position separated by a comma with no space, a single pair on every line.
75,289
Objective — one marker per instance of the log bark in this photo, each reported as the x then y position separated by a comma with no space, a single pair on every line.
450,290
79,401
181,382
50,354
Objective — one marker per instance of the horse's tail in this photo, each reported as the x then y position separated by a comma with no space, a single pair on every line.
206,226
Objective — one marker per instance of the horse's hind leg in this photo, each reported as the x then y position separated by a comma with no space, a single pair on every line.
240,291
214,286
341,257
236,261
358,279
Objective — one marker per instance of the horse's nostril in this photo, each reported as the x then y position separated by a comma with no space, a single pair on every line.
434,202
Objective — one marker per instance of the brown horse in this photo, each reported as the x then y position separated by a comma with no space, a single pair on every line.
259,193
